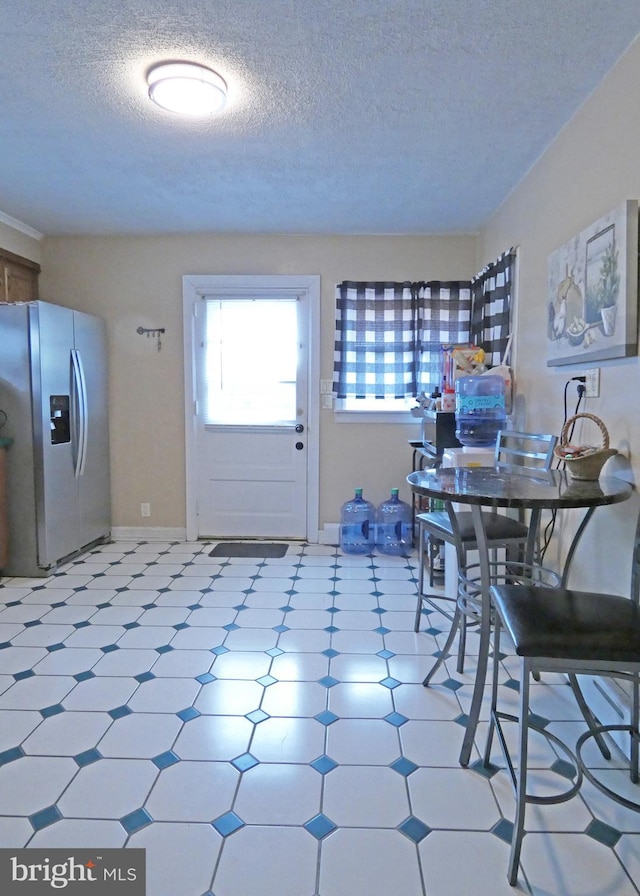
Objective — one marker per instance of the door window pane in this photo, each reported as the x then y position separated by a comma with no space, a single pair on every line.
250,361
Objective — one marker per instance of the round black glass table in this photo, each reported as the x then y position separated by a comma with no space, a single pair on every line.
487,487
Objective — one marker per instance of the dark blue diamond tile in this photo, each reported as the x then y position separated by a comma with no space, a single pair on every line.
188,714
27,673
603,833
194,607
330,652
538,721
148,606
11,755
80,588
166,648
266,680
381,630
231,627
326,717
390,683
487,771
144,676
87,757
433,631
205,678
320,826
13,603
82,624
396,719
333,609
45,817
274,652
53,710
130,625
59,603
32,623
103,606
328,681
564,768
379,611
324,764
513,684
245,762
240,607
287,609
135,821
84,676
120,712
404,766
452,684
503,830
5,644
385,654
414,829
257,716
280,628
164,760
227,824
219,651
462,720
109,648
332,629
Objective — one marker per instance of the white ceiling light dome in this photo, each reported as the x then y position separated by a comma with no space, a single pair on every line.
187,88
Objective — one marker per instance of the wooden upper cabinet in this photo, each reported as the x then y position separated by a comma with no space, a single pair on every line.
18,278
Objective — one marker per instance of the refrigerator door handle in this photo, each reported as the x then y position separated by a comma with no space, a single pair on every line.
82,427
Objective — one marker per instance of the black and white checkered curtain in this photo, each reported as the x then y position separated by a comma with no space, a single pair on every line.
444,310
376,340
389,335
492,299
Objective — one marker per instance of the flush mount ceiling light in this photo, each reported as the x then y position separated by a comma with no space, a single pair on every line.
187,88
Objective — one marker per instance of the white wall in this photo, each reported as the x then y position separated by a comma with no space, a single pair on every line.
591,167
137,281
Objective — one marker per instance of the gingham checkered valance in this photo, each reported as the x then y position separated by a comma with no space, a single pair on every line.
389,335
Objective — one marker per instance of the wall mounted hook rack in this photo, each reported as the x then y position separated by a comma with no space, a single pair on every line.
151,331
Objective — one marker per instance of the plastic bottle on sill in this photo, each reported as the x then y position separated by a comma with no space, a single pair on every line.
357,525
394,526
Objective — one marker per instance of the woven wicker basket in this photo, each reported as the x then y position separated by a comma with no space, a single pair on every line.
590,466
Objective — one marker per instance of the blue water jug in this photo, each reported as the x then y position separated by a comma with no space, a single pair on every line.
357,525
394,526
480,410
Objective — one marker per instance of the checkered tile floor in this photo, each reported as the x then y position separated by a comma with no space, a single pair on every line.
261,729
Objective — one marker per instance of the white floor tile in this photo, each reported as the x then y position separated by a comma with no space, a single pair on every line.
279,794
362,862
269,861
366,797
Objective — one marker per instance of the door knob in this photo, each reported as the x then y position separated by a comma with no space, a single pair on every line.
299,427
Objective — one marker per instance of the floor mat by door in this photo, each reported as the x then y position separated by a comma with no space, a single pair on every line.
249,549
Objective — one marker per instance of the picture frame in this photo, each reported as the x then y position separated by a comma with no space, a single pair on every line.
592,291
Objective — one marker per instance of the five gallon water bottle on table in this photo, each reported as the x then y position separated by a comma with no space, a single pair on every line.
357,525
394,526
480,410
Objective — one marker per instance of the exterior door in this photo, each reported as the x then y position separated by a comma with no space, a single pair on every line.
253,436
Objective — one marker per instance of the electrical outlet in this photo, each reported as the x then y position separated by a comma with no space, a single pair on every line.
592,384
145,510
326,387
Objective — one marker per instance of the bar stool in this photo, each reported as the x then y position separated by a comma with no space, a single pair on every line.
573,632
515,451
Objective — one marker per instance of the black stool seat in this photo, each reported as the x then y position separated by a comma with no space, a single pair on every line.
569,625
496,526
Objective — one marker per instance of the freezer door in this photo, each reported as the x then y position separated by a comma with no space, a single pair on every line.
55,445
92,461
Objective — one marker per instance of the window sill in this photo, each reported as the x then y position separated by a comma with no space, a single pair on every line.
374,417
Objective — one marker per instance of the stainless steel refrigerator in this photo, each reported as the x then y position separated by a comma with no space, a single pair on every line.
53,389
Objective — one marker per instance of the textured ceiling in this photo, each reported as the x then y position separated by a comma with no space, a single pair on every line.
344,116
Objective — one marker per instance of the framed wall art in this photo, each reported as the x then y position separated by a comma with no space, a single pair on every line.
592,291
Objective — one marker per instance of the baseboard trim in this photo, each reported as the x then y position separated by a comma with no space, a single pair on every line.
148,533
329,534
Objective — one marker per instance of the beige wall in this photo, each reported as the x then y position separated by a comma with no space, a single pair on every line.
591,167
133,281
